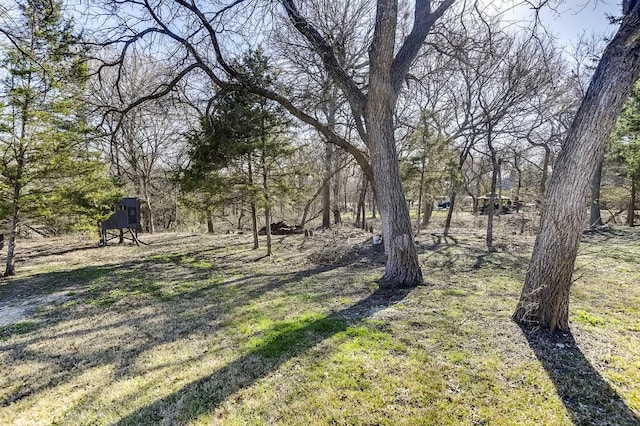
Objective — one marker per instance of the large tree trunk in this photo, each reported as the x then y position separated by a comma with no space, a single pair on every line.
386,77
544,301
402,268
594,217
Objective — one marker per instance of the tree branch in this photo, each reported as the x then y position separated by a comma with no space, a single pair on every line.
356,98
241,82
424,19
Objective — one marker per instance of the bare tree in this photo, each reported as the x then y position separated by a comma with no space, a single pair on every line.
146,140
189,32
544,301
494,81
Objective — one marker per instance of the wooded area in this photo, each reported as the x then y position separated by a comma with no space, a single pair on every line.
419,123
329,111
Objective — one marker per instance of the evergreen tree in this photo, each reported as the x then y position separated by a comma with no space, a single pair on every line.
242,141
41,120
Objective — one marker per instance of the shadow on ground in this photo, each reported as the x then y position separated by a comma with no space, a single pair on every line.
130,308
284,342
587,396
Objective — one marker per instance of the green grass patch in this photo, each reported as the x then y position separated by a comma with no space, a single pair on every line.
22,327
201,264
586,318
455,292
192,334
286,336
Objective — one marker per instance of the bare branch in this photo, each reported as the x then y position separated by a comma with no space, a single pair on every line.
356,98
424,20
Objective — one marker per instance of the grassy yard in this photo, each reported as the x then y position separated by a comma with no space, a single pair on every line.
195,329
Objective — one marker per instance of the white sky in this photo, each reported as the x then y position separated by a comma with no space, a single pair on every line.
565,19
577,17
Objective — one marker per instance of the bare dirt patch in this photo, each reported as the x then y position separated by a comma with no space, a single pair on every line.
14,311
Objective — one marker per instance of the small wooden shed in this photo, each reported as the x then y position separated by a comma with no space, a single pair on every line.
125,217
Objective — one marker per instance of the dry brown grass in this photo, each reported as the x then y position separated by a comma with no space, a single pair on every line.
197,329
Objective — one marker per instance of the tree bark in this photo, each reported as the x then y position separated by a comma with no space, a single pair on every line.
326,187
254,210
447,223
240,218
152,227
15,209
267,219
336,199
544,301
492,201
494,181
594,217
11,246
209,222
427,211
328,160
631,211
361,213
254,225
402,268
386,76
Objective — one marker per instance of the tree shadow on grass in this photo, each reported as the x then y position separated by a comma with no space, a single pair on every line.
201,305
587,396
280,343
59,252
